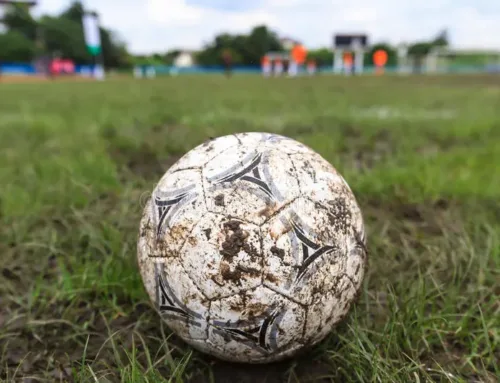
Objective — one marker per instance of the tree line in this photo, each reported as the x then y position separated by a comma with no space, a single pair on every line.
248,49
26,38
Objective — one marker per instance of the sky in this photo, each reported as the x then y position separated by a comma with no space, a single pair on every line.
159,25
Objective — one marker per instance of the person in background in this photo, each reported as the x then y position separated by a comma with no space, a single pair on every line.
298,58
265,63
311,67
348,63
227,59
278,67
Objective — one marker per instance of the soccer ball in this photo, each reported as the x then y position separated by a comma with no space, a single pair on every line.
252,247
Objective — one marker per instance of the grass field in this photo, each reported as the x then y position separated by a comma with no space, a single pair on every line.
79,159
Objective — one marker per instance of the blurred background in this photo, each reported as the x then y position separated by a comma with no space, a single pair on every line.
179,36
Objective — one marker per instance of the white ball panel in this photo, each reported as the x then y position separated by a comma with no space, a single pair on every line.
180,302
329,307
255,325
201,154
286,145
177,205
228,162
223,256
237,199
253,189
356,263
147,237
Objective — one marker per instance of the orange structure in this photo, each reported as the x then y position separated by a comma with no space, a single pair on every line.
265,63
299,54
380,58
348,59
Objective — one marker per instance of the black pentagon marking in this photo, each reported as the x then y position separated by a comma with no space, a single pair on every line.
311,251
302,245
261,337
251,170
167,203
169,305
249,173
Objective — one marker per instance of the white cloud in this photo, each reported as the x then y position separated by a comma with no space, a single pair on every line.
361,14
174,13
159,25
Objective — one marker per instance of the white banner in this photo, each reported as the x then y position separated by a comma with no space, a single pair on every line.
3,28
91,32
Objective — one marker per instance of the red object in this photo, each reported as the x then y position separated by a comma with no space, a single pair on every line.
348,59
227,57
299,54
68,66
55,66
60,66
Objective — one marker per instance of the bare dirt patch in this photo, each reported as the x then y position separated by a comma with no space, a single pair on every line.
34,79
365,152
149,156
141,162
301,369
43,344
427,218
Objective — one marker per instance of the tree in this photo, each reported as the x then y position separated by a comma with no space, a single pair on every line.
260,41
322,56
392,57
114,51
418,51
441,39
65,37
74,12
169,57
62,34
245,49
18,19
16,47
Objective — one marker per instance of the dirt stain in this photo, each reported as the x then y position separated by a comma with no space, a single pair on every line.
272,278
228,275
208,233
219,200
339,215
280,253
268,211
234,242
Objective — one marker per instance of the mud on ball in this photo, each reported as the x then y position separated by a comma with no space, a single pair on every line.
252,246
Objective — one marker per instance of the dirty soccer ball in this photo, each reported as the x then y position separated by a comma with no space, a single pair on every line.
252,247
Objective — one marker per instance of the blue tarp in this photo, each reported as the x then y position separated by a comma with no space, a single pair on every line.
13,68
28,69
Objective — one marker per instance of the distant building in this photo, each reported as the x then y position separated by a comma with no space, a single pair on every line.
288,43
184,59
